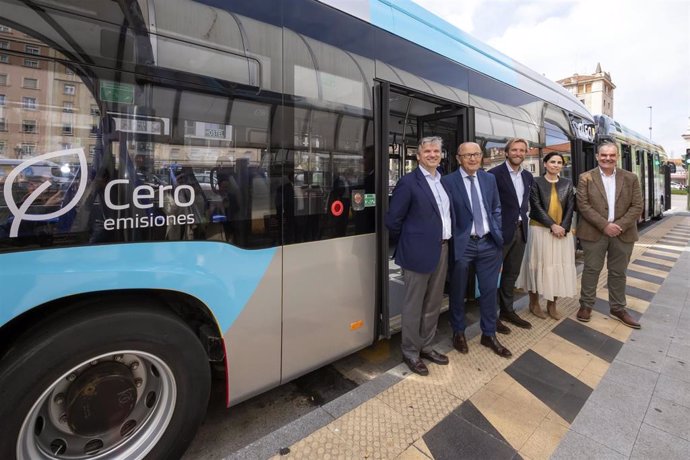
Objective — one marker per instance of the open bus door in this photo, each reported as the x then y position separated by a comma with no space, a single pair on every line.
403,117
584,158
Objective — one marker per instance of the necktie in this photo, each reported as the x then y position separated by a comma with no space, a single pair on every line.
476,209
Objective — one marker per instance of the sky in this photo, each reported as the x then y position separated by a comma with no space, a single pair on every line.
643,44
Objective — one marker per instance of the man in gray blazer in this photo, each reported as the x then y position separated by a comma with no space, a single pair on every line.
609,205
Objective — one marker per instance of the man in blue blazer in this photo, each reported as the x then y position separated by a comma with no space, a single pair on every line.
514,184
477,241
419,219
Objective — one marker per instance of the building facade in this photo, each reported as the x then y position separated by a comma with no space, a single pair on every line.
594,91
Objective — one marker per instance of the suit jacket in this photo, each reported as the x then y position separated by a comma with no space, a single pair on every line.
414,220
511,210
593,208
460,203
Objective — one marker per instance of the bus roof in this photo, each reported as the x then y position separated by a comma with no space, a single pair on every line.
408,20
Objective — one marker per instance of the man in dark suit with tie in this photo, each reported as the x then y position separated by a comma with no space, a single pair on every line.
477,241
514,184
419,218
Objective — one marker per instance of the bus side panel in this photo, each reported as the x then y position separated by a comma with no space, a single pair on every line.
221,276
328,301
253,342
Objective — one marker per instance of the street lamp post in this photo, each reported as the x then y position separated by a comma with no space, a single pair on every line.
650,121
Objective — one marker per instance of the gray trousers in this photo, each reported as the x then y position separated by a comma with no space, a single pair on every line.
421,307
617,255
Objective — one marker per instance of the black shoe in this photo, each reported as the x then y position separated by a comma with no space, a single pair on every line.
435,357
417,366
492,342
502,328
460,342
513,318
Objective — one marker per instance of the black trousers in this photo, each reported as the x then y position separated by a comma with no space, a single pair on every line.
513,252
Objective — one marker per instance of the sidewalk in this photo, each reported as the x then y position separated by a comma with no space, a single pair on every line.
573,390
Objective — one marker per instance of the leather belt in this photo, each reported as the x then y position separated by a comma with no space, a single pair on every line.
477,237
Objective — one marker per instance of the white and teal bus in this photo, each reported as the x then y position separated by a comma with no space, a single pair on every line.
193,189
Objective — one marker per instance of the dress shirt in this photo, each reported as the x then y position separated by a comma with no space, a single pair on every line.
610,187
442,200
518,184
468,186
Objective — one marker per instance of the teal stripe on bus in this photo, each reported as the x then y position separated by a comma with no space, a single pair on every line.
221,276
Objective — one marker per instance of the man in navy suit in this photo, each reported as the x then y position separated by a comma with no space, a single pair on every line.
514,184
477,241
419,218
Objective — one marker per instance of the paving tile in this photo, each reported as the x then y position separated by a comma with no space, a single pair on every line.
578,447
469,412
607,427
456,438
412,453
654,443
544,440
640,378
361,394
423,448
673,389
375,430
322,444
628,401
421,400
646,276
654,265
621,332
676,368
655,255
680,351
595,342
559,390
669,417
642,357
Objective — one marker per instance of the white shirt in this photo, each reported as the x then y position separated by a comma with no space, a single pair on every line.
468,188
442,200
516,177
610,187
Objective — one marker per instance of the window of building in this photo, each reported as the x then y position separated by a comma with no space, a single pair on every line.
30,83
92,149
3,79
4,59
28,150
3,147
32,63
69,71
69,89
29,126
31,49
66,146
68,107
4,45
3,125
28,103
5,29
2,99
67,129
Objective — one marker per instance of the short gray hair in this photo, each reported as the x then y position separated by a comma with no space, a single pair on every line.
430,140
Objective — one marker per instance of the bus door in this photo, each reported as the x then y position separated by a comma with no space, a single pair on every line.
652,190
584,158
640,160
403,118
626,157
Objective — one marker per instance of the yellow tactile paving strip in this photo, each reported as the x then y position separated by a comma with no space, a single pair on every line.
391,424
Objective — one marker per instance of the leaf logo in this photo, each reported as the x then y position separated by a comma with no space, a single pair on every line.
20,212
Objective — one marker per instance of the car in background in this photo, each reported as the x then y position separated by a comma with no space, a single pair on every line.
678,186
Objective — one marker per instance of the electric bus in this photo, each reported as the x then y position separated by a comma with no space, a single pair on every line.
219,172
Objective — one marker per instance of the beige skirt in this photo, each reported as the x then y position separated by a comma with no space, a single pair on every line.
548,266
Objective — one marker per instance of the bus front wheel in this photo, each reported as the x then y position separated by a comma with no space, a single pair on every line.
116,383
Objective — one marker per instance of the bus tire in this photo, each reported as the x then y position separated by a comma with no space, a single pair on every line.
122,382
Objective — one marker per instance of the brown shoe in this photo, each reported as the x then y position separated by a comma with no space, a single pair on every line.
584,314
534,306
460,343
502,328
417,366
624,317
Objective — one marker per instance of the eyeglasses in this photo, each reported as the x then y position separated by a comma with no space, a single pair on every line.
470,155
